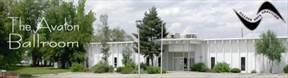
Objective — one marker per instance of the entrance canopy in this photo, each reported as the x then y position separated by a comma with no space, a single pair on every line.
182,45
181,53
182,41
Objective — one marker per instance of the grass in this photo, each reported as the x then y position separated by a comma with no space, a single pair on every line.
39,70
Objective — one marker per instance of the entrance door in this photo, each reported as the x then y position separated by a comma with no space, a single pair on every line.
181,61
179,64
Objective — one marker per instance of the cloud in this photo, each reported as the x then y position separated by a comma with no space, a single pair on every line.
209,19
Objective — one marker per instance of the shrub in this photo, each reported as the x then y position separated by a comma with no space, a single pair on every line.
154,70
129,68
77,68
128,62
132,65
285,69
253,71
201,67
235,70
142,71
209,70
119,69
221,67
143,66
102,67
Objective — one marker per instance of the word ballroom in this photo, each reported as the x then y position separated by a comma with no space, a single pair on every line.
16,41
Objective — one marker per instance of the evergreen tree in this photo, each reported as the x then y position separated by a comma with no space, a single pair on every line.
150,31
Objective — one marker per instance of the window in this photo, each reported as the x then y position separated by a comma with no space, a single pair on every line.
185,63
159,61
115,61
212,62
243,63
147,61
172,36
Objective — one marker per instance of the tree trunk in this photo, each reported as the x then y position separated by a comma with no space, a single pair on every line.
63,63
64,58
45,63
152,62
147,62
271,68
34,58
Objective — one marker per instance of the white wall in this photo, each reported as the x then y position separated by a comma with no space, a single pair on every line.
231,50
224,50
116,48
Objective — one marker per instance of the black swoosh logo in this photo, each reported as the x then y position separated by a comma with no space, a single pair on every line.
266,7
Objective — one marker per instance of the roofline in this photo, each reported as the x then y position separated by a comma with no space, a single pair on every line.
175,39
280,37
118,42
167,39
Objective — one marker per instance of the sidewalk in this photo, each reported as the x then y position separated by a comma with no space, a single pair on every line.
168,75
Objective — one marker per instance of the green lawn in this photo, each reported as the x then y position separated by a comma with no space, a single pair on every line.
39,70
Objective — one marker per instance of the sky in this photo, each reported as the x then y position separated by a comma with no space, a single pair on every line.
205,18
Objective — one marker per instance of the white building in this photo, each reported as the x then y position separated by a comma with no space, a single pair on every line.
181,52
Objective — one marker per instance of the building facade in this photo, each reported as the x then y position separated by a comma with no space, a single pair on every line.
179,53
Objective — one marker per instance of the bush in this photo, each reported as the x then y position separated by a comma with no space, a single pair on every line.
142,71
235,70
209,70
221,67
102,67
285,69
119,69
143,66
253,71
77,68
201,67
132,65
154,70
129,68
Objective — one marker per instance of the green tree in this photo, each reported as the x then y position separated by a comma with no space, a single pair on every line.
105,37
118,34
29,11
57,12
107,34
150,31
127,53
3,35
62,12
8,58
271,47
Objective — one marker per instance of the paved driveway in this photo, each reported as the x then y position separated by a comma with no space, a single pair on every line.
168,75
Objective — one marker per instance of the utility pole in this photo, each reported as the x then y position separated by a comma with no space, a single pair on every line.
138,22
161,54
